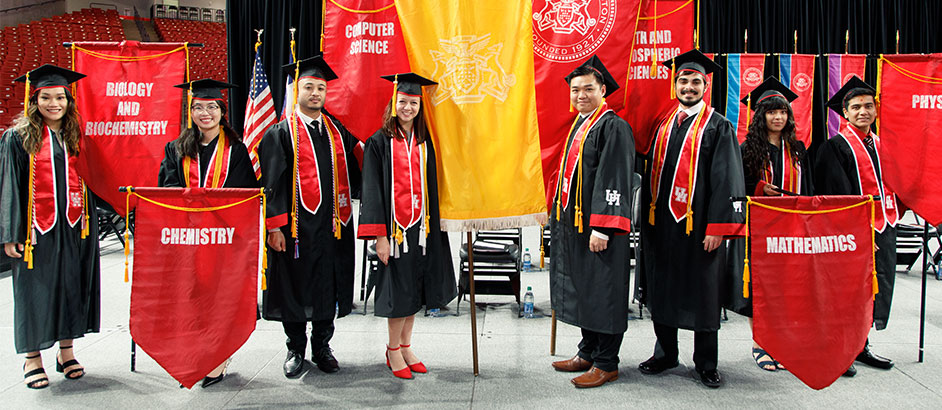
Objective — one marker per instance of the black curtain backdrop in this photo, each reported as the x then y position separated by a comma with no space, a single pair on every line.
821,26
275,17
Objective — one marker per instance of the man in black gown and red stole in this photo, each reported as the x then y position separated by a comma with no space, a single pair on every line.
590,217
693,169
849,164
310,175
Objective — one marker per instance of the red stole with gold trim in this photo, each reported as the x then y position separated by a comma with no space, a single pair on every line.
867,179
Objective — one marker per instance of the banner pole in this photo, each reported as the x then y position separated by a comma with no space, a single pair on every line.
474,316
553,336
922,308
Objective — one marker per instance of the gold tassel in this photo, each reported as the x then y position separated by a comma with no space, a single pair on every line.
264,281
542,252
337,226
876,286
578,218
26,95
745,278
689,221
398,235
28,255
85,227
651,214
673,89
748,110
189,103
28,249
392,106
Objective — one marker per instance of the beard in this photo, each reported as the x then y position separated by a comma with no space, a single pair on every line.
688,101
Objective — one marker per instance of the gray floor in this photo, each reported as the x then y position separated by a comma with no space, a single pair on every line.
514,365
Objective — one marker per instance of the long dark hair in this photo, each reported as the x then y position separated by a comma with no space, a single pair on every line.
755,151
29,124
188,143
391,124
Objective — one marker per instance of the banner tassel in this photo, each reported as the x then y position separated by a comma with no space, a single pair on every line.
689,221
873,243
746,275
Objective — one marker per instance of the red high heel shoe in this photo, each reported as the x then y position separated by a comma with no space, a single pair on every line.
403,373
418,367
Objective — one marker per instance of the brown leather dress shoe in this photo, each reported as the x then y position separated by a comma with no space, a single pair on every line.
595,377
576,364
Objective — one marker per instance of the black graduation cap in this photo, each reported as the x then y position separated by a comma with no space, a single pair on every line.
48,75
408,83
596,65
836,102
771,87
693,60
206,89
311,67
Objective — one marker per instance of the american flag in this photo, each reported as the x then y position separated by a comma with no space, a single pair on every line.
289,92
259,112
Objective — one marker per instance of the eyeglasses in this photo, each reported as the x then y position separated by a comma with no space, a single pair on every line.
209,108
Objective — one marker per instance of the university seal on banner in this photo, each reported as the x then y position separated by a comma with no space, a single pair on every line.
802,82
467,70
752,77
568,30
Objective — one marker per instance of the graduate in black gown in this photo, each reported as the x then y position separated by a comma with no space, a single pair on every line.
849,164
688,214
309,218
400,211
773,160
190,161
589,218
49,229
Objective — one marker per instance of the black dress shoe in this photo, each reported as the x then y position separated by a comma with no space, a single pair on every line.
710,378
850,372
209,381
294,363
655,366
325,360
868,358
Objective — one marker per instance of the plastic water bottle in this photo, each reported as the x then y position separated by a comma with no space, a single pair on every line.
526,260
436,312
528,303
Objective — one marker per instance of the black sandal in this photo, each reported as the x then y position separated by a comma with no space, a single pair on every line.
39,370
60,367
758,353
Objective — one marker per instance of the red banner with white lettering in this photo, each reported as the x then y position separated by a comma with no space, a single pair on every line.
910,88
362,41
797,73
841,67
665,29
130,110
744,72
565,35
813,281
197,256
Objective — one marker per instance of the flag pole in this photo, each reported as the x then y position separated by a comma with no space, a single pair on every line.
474,317
925,269
553,335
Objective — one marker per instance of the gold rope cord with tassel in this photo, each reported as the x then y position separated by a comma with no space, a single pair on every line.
294,136
907,73
654,45
323,21
869,201
338,224
660,141
264,245
631,53
28,249
86,228
189,105
876,98
749,112
542,251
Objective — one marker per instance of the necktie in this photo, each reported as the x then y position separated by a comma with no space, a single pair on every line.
869,142
681,117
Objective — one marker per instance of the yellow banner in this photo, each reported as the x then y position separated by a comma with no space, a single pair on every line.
483,110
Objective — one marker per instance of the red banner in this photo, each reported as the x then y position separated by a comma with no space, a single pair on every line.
565,35
197,254
797,73
665,29
813,278
744,72
841,67
910,88
130,110
362,41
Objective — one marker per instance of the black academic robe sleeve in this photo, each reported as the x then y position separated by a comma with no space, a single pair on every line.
832,169
374,214
169,174
276,158
726,181
13,168
611,195
241,173
350,143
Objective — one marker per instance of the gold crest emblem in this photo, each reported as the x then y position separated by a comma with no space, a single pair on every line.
467,70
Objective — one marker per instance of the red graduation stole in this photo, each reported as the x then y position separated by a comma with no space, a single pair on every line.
309,181
218,168
43,187
791,178
573,157
408,177
867,177
683,181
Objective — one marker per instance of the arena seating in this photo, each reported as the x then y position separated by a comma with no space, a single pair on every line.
27,46
209,61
